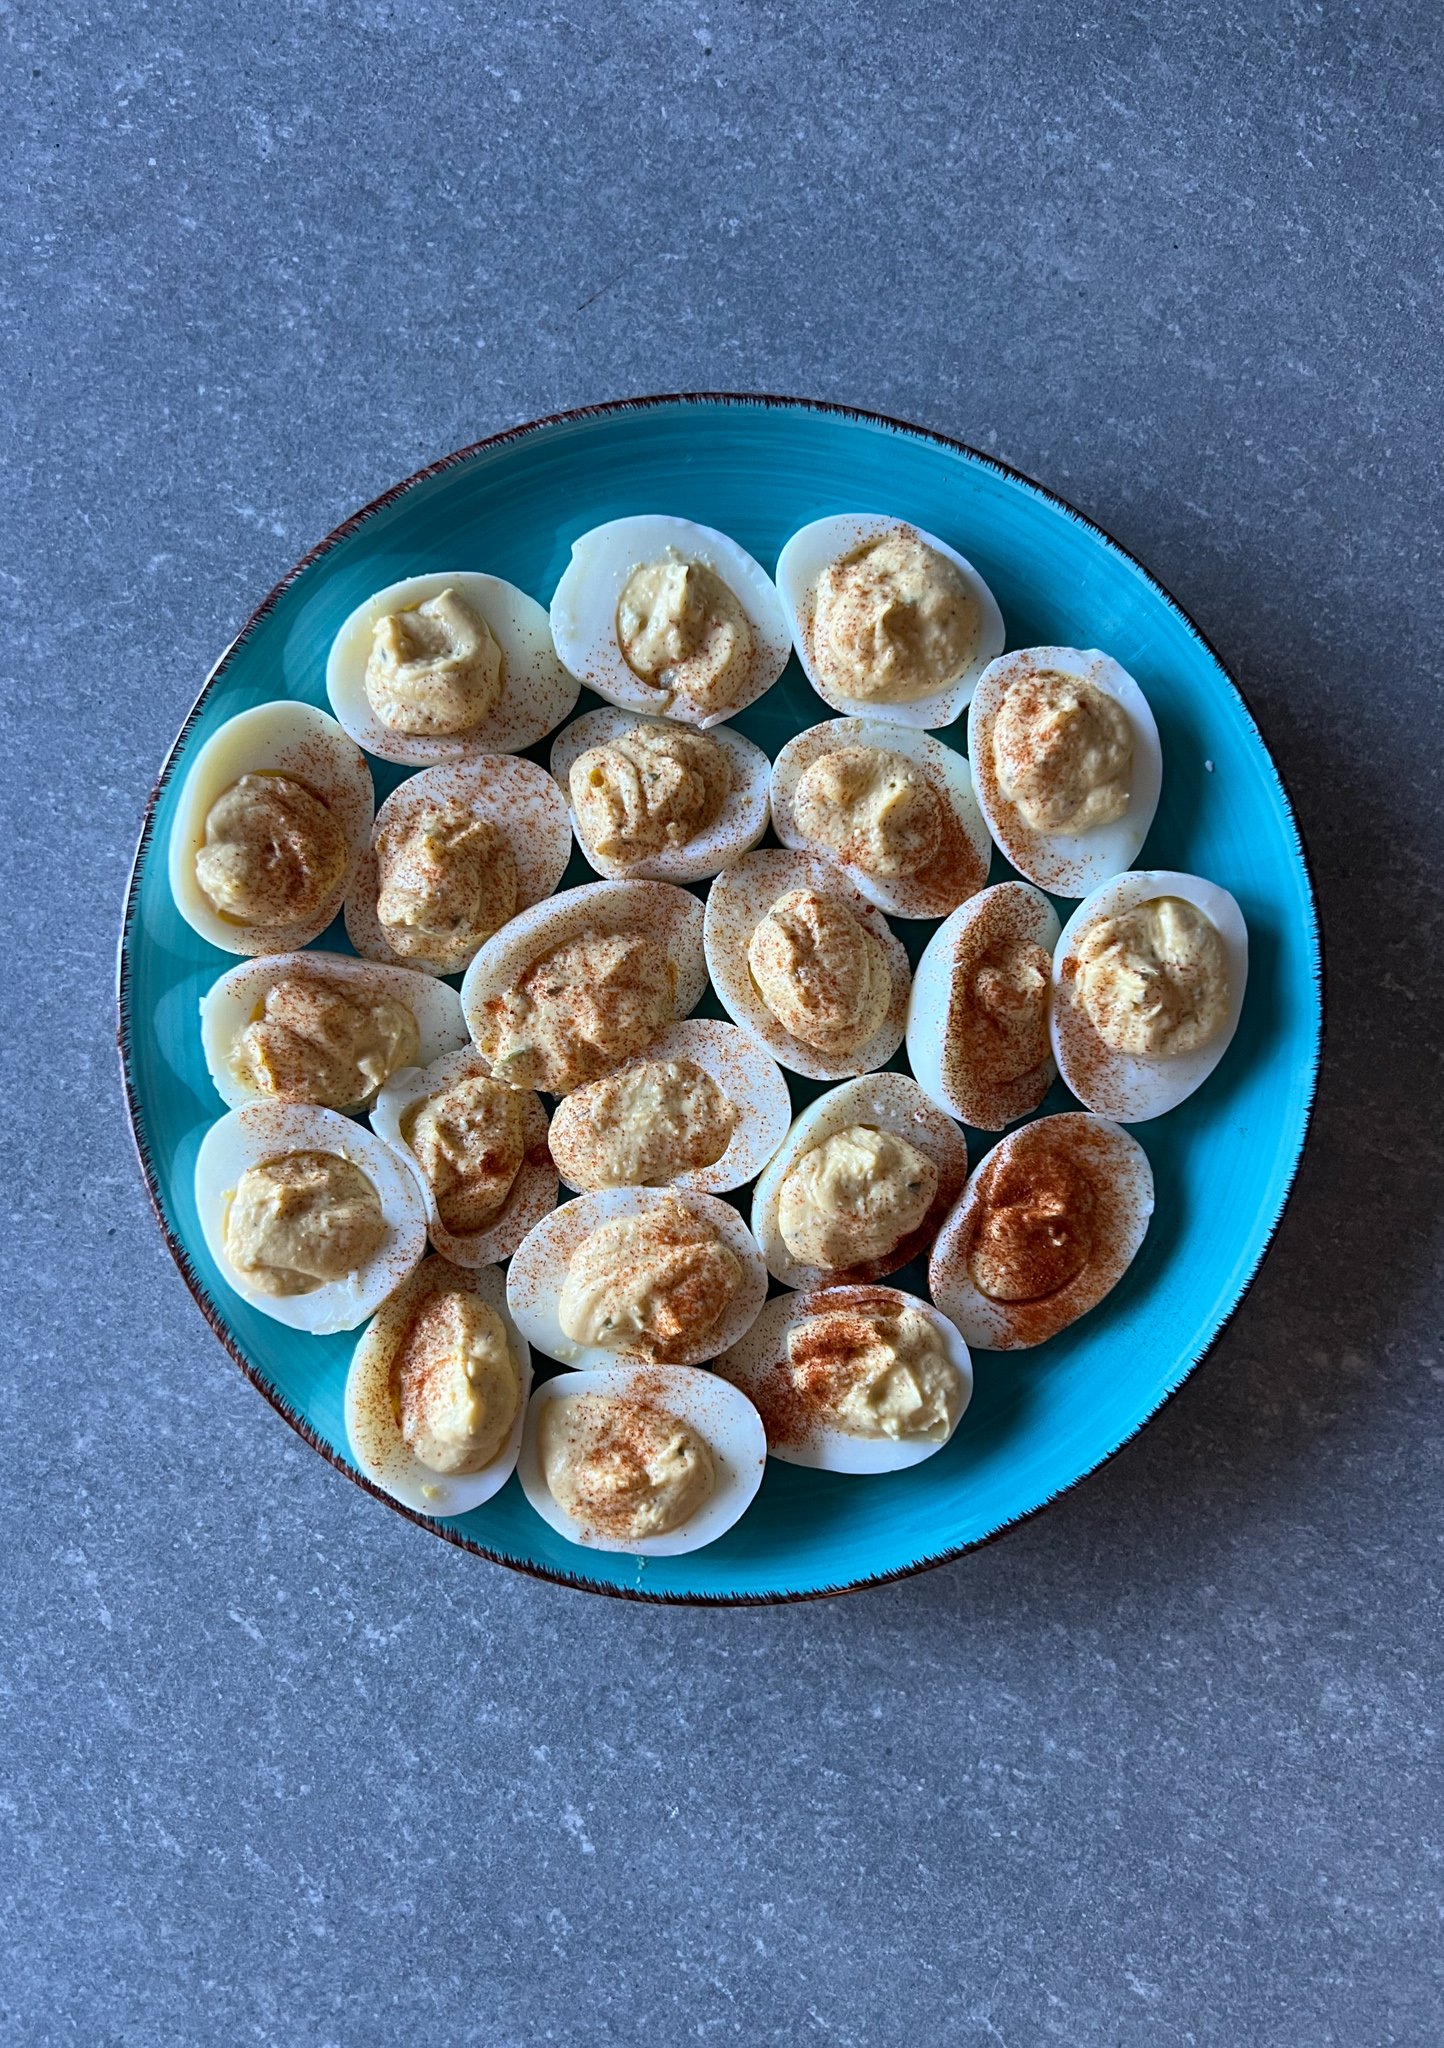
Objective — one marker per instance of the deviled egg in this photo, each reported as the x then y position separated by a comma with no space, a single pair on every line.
654,1463
888,621
577,984
1066,763
479,1151
661,616
977,1035
860,1183
891,805
447,667
454,854
853,1379
322,1028
659,800
308,1216
274,817
805,964
647,1276
437,1391
1148,982
1049,1223
704,1107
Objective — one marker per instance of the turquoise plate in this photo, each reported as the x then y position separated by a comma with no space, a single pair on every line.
1224,1162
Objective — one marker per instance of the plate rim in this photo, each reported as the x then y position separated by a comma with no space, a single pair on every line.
578,1581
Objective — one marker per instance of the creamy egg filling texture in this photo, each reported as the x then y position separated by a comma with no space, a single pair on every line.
880,1371
446,882
623,1468
318,1041
892,622
820,972
579,1010
854,1197
1063,752
643,1127
301,1221
434,670
469,1142
455,1383
682,631
650,1285
872,807
1154,980
650,788
273,854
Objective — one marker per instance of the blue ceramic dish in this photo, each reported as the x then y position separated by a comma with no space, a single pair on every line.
1224,1162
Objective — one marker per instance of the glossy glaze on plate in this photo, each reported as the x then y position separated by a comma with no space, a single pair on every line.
758,469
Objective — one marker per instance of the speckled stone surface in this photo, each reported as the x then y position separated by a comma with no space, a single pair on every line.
1162,1766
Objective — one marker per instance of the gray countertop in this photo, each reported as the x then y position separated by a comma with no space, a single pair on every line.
1162,1766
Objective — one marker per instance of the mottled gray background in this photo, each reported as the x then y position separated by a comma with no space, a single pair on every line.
1161,1767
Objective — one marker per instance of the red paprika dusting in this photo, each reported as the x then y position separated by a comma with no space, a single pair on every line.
628,1426
997,1063
1052,1221
794,1394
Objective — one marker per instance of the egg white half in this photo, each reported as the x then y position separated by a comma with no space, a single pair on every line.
236,998
814,548
1118,1084
1066,863
516,796
960,866
883,1102
372,1431
720,1414
738,901
751,1080
264,1131
534,1191
1123,1184
740,824
536,691
938,1060
584,612
539,1266
759,1363
656,908
283,738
